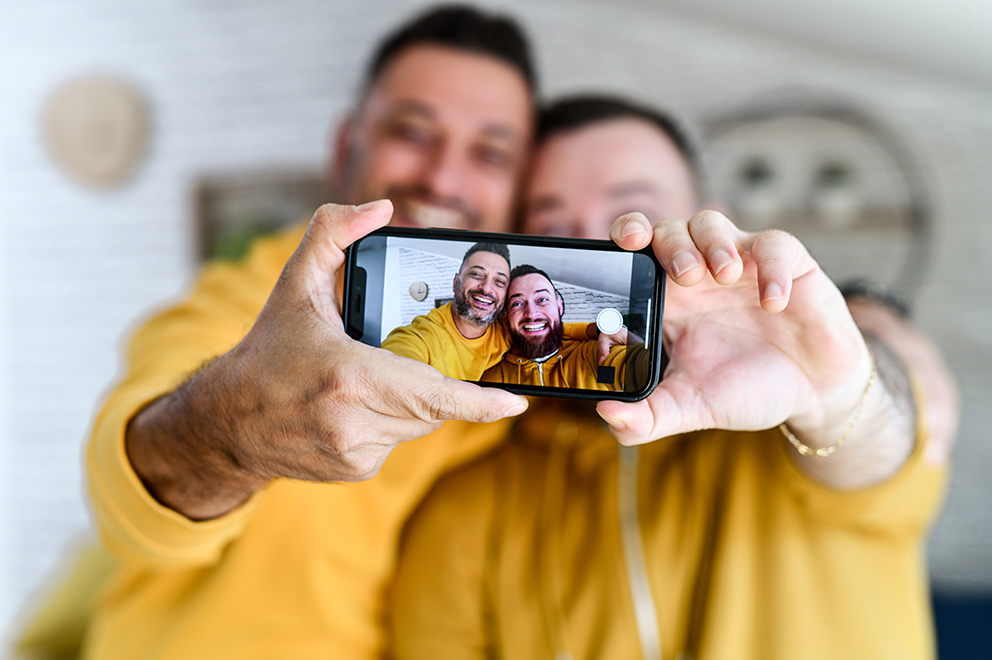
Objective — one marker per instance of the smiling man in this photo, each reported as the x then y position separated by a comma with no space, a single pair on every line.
214,466
485,268
540,354
461,338
781,510
441,132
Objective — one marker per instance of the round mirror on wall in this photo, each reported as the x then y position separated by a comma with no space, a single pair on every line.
831,174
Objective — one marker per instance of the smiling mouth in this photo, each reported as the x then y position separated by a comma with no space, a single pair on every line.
534,327
482,301
422,214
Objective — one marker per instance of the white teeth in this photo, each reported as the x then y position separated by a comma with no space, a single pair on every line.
427,215
535,327
483,301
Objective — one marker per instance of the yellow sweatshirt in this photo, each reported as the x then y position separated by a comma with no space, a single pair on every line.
712,545
575,366
434,339
300,571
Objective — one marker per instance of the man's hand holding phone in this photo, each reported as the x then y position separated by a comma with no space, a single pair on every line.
753,320
297,397
758,335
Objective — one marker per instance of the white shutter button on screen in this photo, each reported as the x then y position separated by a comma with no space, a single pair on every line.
609,321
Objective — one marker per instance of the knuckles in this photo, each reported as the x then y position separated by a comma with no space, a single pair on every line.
437,406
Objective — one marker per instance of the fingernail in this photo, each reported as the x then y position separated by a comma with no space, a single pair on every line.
515,410
368,206
615,424
683,262
773,292
719,259
630,228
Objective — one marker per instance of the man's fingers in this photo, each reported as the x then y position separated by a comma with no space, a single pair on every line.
677,253
780,260
719,241
631,231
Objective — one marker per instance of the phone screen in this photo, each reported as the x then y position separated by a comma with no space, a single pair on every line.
518,312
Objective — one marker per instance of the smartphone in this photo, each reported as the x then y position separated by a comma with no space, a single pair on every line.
523,313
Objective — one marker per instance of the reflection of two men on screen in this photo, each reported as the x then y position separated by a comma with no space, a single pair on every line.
506,326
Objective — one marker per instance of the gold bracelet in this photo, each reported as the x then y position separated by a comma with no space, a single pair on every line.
823,452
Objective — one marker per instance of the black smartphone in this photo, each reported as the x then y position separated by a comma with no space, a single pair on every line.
524,313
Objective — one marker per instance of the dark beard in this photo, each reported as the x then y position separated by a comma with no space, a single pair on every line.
463,309
533,351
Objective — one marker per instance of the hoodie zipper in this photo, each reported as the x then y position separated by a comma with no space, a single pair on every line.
645,613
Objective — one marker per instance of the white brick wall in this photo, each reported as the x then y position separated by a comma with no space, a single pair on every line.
253,85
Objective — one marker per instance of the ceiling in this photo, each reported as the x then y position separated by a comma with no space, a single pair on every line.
946,38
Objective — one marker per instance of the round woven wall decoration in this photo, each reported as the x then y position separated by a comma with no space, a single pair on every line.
96,129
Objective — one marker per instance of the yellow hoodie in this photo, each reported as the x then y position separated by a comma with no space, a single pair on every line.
574,365
713,545
300,571
434,339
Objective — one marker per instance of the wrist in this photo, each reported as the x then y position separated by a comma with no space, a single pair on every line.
185,446
821,431
827,450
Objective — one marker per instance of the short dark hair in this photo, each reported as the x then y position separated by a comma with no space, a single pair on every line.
527,269
573,112
462,27
498,249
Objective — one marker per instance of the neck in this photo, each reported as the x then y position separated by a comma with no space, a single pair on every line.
466,329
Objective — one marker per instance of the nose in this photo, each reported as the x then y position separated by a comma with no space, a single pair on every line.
489,287
444,173
592,225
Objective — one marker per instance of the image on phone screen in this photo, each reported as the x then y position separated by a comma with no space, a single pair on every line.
534,315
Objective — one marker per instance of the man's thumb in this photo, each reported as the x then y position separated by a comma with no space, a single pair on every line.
334,227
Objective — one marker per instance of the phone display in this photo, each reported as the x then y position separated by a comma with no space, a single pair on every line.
524,313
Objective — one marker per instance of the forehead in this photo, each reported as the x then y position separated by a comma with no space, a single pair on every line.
529,283
487,260
455,86
596,159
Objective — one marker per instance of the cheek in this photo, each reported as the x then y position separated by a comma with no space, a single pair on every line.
393,163
493,194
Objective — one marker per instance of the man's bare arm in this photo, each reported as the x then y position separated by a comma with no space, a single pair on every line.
297,397
880,439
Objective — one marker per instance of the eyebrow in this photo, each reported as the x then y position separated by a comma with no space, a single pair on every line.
499,132
629,188
551,201
483,269
534,291
420,109
413,107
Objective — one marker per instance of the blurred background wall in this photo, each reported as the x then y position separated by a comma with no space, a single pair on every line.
249,90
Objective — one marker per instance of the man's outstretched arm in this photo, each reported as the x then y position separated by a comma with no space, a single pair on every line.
296,397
